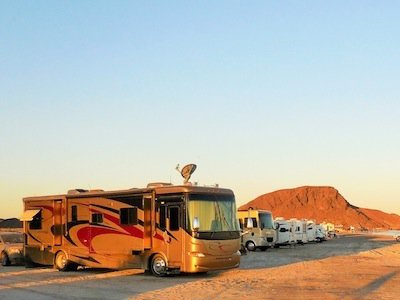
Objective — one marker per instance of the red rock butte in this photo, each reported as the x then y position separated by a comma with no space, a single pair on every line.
322,204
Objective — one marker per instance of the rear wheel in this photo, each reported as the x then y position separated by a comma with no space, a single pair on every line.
158,265
5,261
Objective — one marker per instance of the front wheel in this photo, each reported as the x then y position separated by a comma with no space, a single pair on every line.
251,246
61,262
5,261
158,265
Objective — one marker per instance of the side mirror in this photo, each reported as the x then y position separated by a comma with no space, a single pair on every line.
196,224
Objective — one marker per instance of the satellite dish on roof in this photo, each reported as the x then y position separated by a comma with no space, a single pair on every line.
187,171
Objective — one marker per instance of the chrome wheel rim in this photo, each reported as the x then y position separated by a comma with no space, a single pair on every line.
159,265
61,260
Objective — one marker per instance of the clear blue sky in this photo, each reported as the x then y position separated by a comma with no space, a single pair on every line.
261,95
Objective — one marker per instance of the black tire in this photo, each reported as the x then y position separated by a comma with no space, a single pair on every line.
5,260
61,262
158,265
251,246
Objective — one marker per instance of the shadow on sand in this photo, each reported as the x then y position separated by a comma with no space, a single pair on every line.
342,245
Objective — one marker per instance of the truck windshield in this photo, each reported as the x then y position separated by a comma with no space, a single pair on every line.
266,220
215,213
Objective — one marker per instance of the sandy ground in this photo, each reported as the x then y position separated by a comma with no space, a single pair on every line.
349,267
366,269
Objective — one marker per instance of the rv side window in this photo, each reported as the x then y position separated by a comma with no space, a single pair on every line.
254,222
174,218
36,222
97,218
128,216
283,229
74,213
163,217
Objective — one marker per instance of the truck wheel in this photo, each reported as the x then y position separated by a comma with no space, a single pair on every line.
251,246
158,265
61,262
5,261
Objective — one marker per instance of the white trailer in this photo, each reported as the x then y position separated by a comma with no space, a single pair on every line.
299,227
311,231
284,233
314,233
322,233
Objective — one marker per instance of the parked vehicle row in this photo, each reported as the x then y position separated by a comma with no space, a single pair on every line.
261,231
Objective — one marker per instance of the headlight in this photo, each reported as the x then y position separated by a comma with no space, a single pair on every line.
197,254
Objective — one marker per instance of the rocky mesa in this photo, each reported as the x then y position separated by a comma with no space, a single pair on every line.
322,203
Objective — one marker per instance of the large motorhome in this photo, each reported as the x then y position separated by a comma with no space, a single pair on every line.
284,233
163,228
261,235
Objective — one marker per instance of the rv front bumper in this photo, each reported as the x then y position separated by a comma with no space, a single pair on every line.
199,262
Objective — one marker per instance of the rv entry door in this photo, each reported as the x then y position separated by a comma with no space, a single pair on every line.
173,234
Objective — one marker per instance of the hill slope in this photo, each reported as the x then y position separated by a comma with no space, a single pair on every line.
11,223
322,204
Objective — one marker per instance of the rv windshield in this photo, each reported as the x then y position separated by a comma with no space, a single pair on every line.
266,220
215,213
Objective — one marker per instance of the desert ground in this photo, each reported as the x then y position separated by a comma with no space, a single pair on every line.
348,267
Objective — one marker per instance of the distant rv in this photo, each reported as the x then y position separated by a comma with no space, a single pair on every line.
284,233
299,227
162,228
314,232
261,235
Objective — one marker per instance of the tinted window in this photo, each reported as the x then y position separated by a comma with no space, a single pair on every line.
97,218
74,213
128,216
254,222
162,217
36,222
174,218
